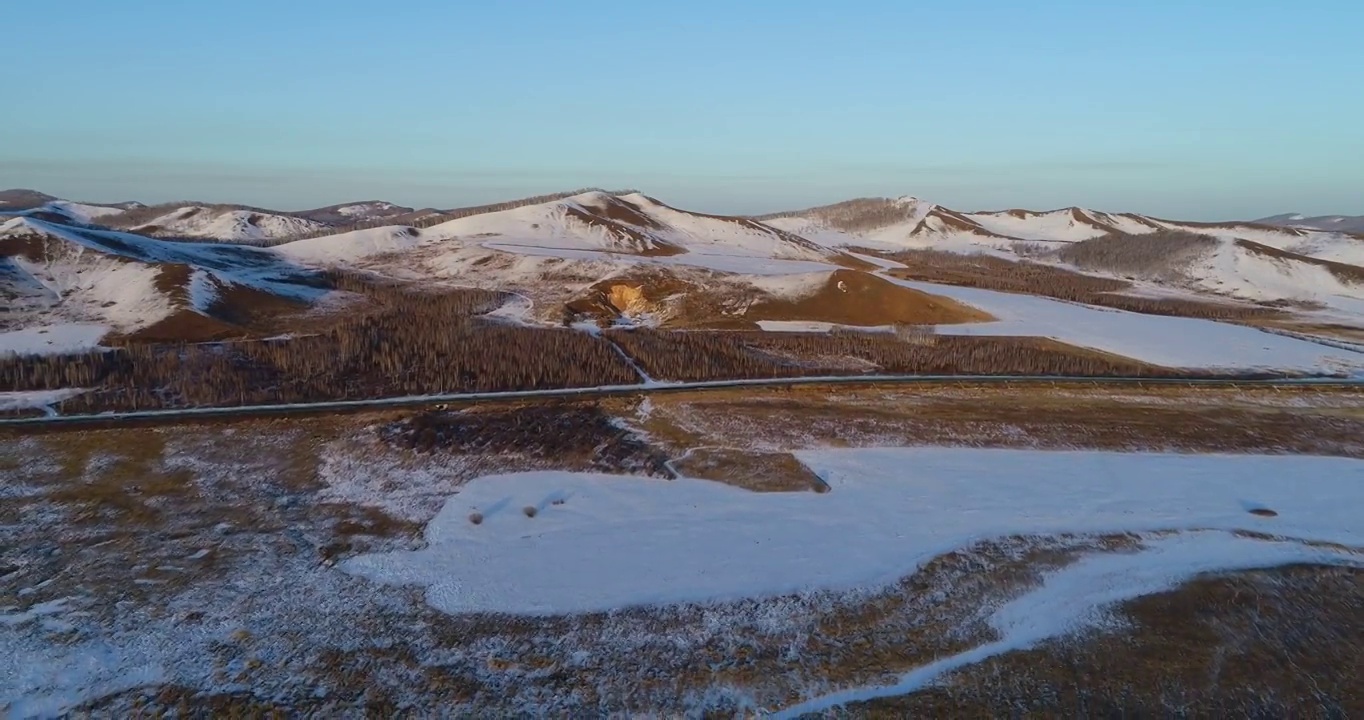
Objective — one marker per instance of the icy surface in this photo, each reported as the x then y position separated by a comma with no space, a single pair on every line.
615,541
1168,341
36,399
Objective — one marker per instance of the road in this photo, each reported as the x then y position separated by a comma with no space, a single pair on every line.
651,388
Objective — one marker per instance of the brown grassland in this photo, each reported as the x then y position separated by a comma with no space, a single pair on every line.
116,516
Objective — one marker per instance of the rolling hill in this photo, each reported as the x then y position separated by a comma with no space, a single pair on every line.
560,249
55,275
1330,223
1251,261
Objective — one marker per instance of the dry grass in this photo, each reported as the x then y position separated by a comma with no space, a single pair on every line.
694,299
858,298
263,480
1286,642
993,273
574,436
745,468
1165,419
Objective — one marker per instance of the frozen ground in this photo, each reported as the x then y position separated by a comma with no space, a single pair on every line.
213,571
599,542
1078,596
1168,341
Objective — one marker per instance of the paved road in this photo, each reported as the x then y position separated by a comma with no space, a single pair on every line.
338,406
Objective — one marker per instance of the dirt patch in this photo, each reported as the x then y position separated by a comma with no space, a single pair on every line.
182,326
623,211
751,470
673,298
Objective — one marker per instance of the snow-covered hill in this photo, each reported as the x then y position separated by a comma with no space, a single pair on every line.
558,248
355,212
589,226
226,224
1252,261
1330,223
56,276
908,223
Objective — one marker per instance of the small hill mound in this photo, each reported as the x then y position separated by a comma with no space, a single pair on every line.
1226,265
1328,223
665,297
354,213
16,199
1161,255
850,297
349,247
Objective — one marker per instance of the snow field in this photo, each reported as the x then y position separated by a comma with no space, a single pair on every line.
619,541
1174,342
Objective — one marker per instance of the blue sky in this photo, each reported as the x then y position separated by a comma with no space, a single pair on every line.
1199,110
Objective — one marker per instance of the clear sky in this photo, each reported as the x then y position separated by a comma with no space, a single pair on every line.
1201,109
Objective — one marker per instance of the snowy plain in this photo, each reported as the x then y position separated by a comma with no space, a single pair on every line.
1176,342
599,542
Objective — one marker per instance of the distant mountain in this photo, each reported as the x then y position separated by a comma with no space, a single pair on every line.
16,199
1259,261
577,239
227,223
588,224
350,213
1334,223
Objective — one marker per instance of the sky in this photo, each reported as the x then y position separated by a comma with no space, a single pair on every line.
1205,110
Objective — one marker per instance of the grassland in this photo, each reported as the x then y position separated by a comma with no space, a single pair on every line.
209,547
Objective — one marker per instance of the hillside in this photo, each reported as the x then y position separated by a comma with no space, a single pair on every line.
210,222
355,212
632,259
1306,265
1330,223
58,275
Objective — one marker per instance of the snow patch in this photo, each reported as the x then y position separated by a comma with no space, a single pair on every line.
52,339
1174,342
36,399
622,541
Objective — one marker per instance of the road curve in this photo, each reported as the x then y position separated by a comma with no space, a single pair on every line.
335,406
